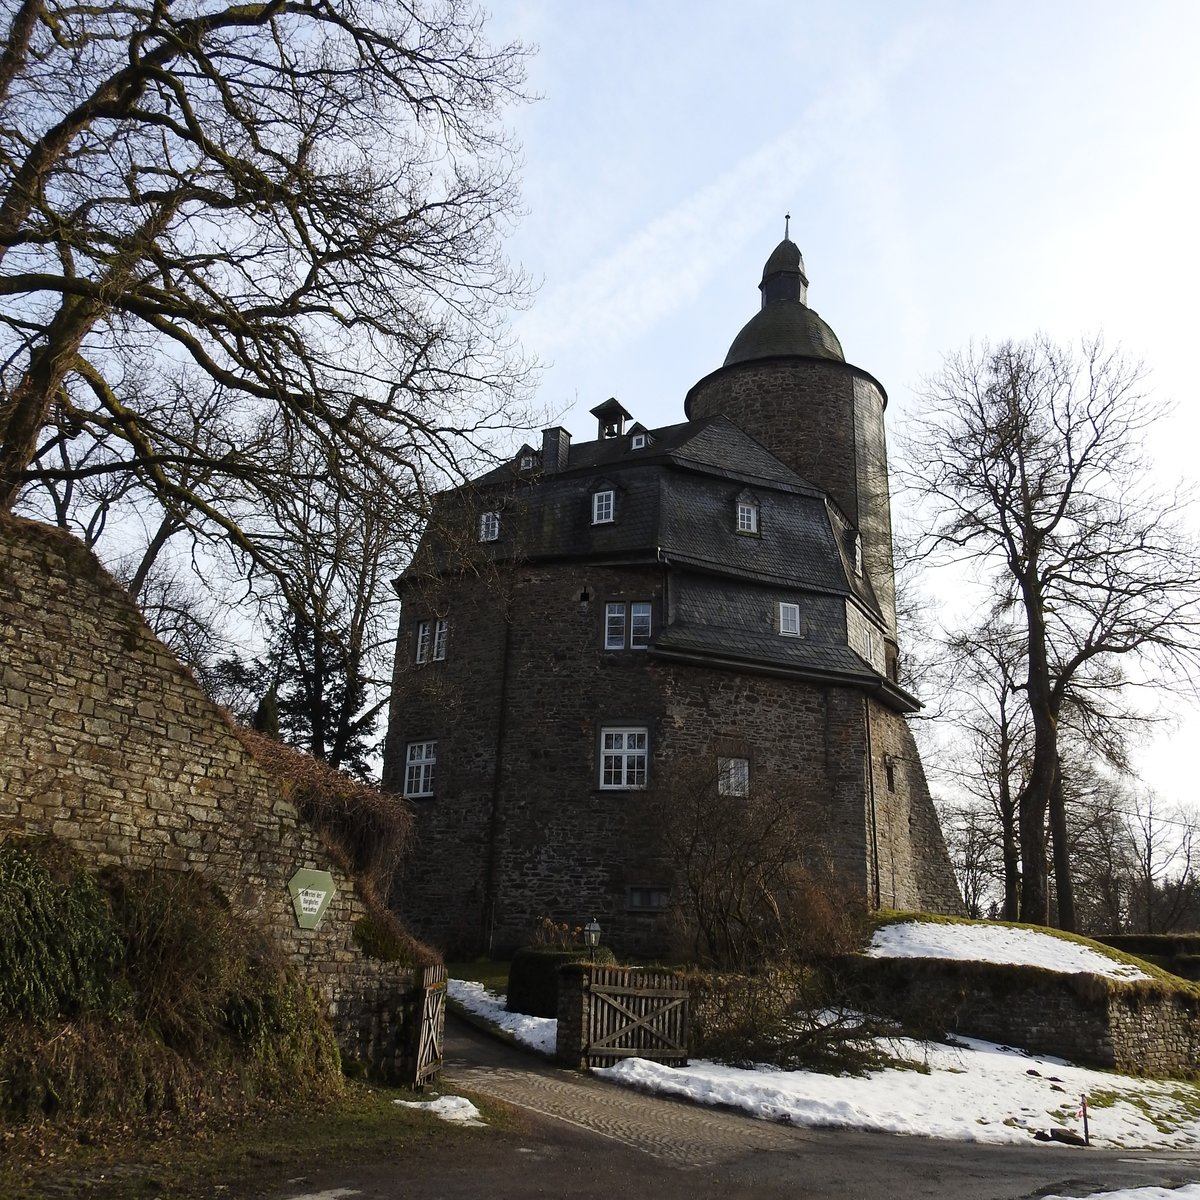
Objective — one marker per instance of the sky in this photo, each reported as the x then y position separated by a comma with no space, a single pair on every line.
971,1090
954,172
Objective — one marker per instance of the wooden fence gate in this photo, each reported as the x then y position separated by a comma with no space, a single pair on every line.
428,1029
625,1013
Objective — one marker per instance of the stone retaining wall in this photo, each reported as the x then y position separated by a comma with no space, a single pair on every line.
109,744
1141,1027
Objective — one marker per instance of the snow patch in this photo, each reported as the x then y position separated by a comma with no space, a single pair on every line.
457,1109
995,944
1189,1191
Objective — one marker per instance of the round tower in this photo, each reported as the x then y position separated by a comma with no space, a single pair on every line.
786,383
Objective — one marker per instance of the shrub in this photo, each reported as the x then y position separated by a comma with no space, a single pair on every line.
533,976
380,935
753,885
60,946
132,993
793,1018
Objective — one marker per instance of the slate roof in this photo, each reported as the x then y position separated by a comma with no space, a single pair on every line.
713,444
675,504
790,655
781,329
795,539
675,499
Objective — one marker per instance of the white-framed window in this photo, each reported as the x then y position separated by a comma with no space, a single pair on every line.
526,462
789,619
733,776
489,527
603,507
856,556
431,641
639,625
637,442
419,765
614,627
747,517
623,755
633,620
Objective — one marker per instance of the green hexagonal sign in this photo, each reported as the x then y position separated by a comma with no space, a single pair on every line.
311,892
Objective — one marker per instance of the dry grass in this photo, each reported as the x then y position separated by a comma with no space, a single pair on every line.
365,831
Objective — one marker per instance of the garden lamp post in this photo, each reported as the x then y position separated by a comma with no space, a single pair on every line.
591,935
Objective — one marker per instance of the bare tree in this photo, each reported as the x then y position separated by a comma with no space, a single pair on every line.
1029,460
1166,849
753,884
297,203
974,847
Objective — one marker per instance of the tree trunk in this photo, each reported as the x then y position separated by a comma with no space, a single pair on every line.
1064,888
25,414
1012,874
1035,796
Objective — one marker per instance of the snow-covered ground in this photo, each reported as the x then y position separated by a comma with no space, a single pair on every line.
969,1091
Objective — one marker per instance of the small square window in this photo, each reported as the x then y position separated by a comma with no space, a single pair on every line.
419,767
489,526
526,462
638,441
789,619
602,508
733,776
747,518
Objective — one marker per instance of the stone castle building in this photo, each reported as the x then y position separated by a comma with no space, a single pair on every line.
590,621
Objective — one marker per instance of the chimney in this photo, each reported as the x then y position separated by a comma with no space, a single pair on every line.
556,449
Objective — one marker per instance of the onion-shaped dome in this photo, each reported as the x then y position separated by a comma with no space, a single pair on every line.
785,325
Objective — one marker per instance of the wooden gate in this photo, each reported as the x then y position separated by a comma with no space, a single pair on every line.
635,1014
429,1026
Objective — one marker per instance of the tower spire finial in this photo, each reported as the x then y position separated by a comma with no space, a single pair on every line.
787,220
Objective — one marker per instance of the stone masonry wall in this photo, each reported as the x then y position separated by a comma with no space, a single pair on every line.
1136,1027
914,868
803,410
108,744
518,814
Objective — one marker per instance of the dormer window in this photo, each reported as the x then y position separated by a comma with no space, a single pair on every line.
637,442
604,507
526,462
747,516
489,527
